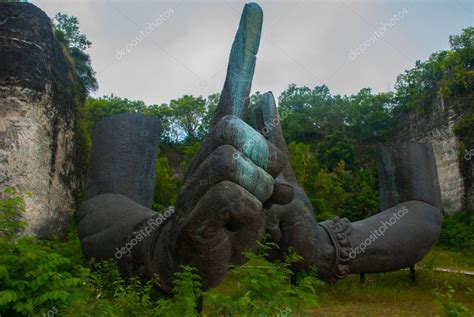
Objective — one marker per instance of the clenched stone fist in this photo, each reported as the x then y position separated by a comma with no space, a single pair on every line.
239,185
219,212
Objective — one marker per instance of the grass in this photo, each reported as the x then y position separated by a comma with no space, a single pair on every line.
444,258
394,294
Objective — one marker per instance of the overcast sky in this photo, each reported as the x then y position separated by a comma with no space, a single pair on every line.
182,47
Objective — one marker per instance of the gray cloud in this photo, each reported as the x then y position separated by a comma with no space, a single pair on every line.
307,43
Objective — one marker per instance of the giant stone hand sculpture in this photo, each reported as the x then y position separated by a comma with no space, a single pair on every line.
219,212
239,186
395,238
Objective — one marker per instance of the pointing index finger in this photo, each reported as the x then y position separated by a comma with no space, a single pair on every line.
234,97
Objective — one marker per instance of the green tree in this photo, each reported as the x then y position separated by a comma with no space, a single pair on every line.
189,152
211,106
369,119
67,31
186,119
166,189
334,148
339,192
361,188
304,164
417,87
447,73
458,66
169,132
329,197
188,113
98,108
311,114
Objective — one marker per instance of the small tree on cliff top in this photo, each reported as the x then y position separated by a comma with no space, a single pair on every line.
67,31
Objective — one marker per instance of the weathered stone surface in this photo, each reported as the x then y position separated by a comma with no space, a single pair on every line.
240,185
119,191
39,147
234,97
407,171
219,212
410,221
409,186
395,238
437,128
123,157
106,220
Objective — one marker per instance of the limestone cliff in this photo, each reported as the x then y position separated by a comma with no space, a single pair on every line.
437,128
39,144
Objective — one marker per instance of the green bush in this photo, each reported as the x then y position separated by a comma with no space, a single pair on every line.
32,278
12,207
458,232
263,288
166,188
444,296
340,192
446,73
43,277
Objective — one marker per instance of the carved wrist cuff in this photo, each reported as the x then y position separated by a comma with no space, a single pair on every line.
338,230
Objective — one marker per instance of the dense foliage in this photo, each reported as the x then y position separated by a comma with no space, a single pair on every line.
337,191
447,73
66,29
262,288
458,232
52,278
166,188
332,142
332,138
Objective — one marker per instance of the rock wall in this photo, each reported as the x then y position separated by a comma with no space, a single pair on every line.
437,128
39,146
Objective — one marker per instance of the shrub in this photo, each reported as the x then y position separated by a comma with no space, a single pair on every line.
166,189
458,232
444,296
12,207
32,279
51,277
263,288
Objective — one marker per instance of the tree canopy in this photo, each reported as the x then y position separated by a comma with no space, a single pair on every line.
67,32
332,138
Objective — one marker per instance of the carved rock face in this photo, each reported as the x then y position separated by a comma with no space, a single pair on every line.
120,142
120,186
437,128
408,171
40,151
238,186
